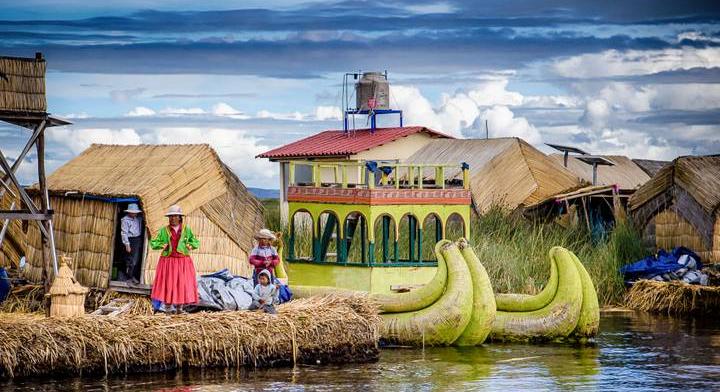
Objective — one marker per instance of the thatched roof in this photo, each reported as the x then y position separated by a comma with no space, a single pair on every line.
649,166
22,84
161,175
506,171
625,173
698,176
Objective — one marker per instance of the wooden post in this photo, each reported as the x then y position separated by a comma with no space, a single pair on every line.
46,272
291,174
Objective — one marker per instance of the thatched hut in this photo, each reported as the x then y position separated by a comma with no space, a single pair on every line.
507,172
89,193
624,173
680,206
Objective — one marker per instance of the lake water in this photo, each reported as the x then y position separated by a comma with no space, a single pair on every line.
634,351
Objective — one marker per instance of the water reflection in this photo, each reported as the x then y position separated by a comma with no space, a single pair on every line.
635,351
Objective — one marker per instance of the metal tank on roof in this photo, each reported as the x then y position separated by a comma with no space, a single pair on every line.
373,91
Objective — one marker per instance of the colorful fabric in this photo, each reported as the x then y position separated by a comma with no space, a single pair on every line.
175,282
130,227
163,238
265,257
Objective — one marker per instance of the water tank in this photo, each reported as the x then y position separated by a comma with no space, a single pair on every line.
373,91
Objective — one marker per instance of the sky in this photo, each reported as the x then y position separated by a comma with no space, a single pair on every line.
638,78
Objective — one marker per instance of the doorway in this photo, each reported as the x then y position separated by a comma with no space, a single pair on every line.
119,271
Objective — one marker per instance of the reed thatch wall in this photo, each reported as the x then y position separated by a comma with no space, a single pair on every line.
626,174
220,209
13,247
682,201
503,171
84,231
22,84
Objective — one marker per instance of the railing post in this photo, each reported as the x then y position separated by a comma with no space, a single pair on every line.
316,175
466,175
291,173
371,179
420,176
411,176
344,176
397,176
441,175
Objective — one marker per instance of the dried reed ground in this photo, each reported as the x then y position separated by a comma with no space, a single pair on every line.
314,330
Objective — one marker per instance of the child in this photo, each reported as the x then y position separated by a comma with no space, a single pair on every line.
264,256
265,295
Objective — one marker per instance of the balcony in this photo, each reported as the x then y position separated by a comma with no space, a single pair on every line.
378,183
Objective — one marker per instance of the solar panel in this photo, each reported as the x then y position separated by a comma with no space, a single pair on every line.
567,149
596,160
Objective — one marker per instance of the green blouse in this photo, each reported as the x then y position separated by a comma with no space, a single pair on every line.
186,238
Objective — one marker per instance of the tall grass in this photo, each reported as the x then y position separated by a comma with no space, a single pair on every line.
514,250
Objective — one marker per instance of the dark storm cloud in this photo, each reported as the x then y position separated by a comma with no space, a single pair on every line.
475,50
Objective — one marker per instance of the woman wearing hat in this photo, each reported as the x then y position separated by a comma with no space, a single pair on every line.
131,230
264,256
175,283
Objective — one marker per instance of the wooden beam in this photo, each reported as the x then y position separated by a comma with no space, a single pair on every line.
38,130
25,215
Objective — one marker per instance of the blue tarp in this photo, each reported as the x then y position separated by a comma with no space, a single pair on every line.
4,284
659,264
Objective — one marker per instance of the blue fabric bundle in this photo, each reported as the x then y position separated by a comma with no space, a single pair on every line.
663,262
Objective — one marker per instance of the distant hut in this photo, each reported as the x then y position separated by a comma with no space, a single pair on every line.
90,192
624,173
649,166
680,206
505,172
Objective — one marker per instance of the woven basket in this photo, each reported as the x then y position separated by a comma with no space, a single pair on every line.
67,296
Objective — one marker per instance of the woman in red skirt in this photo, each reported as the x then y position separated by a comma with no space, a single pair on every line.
175,283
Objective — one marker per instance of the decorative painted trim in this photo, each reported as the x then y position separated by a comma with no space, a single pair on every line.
379,196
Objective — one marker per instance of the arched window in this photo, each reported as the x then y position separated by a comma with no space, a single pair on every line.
353,247
432,232
455,227
328,243
300,245
411,245
386,248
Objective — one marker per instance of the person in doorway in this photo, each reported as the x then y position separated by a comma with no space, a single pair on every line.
131,230
266,294
175,282
264,256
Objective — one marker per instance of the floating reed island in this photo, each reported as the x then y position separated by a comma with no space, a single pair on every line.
307,331
674,297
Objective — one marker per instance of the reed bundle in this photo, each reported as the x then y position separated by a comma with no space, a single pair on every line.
23,86
315,330
142,305
25,299
673,297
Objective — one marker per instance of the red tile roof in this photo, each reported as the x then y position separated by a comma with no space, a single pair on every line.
339,143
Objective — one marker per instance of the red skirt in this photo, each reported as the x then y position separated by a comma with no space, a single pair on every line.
175,282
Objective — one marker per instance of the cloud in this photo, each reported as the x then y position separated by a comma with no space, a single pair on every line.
170,111
611,63
494,93
223,109
235,147
140,111
502,122
77,140
297,116
597,114
126,95
328,113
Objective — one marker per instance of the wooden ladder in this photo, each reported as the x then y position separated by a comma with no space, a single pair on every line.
116,307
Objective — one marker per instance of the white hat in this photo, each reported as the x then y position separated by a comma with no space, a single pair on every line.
265,234
174,210
133,208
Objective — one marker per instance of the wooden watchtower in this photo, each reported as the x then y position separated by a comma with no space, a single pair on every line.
23,103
